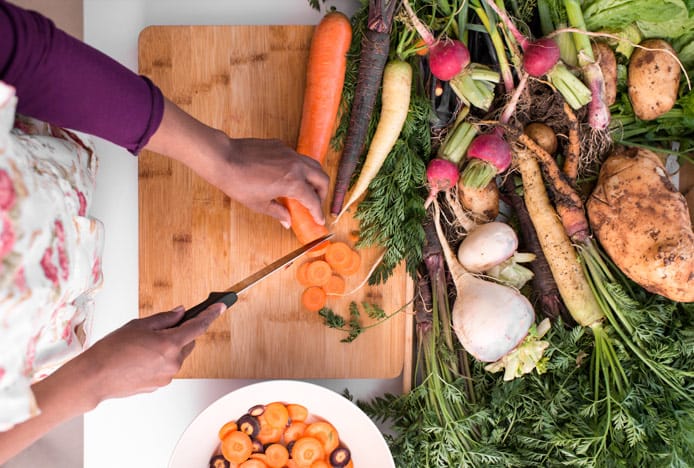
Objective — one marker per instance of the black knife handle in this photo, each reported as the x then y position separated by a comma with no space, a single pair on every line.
226,298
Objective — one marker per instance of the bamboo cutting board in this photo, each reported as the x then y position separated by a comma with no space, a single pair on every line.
247,81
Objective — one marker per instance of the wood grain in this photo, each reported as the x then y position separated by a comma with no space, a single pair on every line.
247,81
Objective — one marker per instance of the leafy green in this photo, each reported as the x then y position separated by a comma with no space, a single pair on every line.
354,326
617,14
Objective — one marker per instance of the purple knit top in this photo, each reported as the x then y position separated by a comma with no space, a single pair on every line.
63,81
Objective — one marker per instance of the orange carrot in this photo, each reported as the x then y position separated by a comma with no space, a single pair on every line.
276,415
307,450
297,412
573,150
338,255
318,273
268,434
253,463
227,428
294,431
276,455
352,267
325,433
321,464
325,76
237,447
313,298
301,274
335,285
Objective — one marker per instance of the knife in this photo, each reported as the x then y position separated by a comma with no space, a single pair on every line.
229,297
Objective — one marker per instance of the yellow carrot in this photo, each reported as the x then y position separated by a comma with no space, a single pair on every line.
395,102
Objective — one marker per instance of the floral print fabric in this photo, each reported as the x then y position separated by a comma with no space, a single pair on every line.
50,253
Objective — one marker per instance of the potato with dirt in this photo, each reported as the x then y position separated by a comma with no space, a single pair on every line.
642,222
653,79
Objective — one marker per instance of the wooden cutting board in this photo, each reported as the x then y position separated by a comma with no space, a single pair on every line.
247,81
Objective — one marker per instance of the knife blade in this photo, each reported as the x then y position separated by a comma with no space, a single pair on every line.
229,296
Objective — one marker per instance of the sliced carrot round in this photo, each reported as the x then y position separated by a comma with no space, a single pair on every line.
253,463
276,415
301,274
313,298
237,447
276,455
318,273
294,431
338,255
325,433
320,464
227,428
352,267
335,286
268,434
307,450
297,412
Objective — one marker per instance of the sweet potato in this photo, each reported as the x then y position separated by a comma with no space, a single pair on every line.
643,223
653,79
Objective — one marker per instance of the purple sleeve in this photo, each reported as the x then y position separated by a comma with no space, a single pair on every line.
63,81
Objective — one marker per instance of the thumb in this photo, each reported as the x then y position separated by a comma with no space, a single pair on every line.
280,213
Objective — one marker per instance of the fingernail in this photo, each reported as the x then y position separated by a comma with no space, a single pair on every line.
286,224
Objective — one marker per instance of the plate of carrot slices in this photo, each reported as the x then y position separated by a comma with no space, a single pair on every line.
282,423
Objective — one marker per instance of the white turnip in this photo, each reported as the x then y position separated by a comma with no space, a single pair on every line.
486,246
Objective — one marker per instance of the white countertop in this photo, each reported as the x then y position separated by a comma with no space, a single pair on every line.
141,431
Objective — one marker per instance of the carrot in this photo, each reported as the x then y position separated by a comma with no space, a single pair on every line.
268,434
253,463
325,433
318,273
227,428
335,286
301,274
375,46
276,415
294,431
307,450
338,254
352,267
237,447
395,103
297,412
276,455
325,77
573,150
313,298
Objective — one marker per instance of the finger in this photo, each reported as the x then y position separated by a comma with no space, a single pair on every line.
186,350
307,196
280,213
191,329
320,182
164,320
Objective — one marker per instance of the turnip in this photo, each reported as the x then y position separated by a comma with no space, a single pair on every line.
447,57
442,175
489,155
490,320
486,246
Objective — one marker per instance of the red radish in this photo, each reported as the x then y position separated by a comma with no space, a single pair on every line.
442,175
447,57
489,155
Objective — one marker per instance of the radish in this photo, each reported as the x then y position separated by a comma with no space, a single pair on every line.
489,155
490,320
442,175
447,57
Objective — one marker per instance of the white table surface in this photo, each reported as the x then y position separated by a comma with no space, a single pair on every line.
141,431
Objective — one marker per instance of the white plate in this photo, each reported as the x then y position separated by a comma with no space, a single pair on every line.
356,429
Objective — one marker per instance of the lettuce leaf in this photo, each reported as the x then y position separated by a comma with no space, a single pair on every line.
617,14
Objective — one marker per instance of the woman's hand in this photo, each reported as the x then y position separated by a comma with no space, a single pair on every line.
254,172
144,354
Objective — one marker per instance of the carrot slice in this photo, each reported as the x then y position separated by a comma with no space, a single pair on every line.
237,447
297,412
253,463
227,428
276,415
294,431
352,266
313,298
335,285
301,274
320,464
276,455
318,273
338,255
268,434
307,450
325,433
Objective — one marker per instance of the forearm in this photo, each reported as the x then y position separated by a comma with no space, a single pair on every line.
67,393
